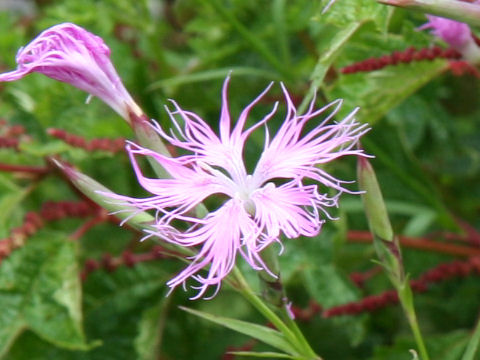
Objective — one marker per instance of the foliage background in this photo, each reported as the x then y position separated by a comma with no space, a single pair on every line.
425,136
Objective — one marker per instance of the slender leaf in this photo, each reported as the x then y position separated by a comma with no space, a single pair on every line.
472,345
268,355
261,333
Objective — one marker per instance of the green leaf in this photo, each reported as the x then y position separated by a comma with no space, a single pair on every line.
326,60
379,91
472,345
329,286
114,306
40,290
261,333
11,196
269,355
150,329
346,12
119,309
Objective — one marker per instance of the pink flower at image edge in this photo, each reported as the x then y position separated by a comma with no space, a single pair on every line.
68,53
257,211
454,33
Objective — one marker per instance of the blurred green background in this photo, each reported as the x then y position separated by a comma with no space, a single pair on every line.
425,138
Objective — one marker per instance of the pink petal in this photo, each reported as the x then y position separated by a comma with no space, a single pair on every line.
291,155
220,235
290,209
185,190
454,33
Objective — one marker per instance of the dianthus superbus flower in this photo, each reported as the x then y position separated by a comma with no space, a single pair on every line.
456,34
69,53
258,209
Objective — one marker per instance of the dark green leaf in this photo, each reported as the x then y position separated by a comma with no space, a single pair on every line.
40,290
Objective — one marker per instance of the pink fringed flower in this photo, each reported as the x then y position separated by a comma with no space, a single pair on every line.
285,194
454,33
69,53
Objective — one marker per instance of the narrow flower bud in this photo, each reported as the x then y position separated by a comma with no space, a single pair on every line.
376,211
96,192
387,245
70,54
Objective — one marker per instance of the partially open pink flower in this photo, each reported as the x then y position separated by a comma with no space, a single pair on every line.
286,194
69,53
454,33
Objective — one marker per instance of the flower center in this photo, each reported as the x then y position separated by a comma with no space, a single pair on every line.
244,193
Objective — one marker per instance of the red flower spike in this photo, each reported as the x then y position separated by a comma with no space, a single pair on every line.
438,274
401,57
7,142
108,263
103,144
129,258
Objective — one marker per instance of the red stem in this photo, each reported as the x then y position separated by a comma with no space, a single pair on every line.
41,170
419,243
437,274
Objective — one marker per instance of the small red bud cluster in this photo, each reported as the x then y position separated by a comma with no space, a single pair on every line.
307,313
128,259
460,67
34,221
369,303
359,278
6,142
57,210
9,134
401,57
110,145
248,346
438,274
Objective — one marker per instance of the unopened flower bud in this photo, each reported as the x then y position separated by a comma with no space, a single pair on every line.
70,54
376,211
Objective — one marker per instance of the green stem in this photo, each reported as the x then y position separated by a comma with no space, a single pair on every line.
387,246
274,294
473,344
294,327
412,320
291,332
248,293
